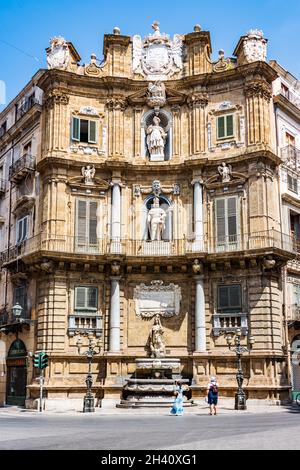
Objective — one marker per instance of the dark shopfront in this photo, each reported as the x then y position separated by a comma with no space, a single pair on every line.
16,363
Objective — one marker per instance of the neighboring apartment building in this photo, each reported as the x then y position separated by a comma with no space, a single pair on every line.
154,190
286,89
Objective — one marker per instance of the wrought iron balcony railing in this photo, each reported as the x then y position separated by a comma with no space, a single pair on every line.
26,106
21,167
266,240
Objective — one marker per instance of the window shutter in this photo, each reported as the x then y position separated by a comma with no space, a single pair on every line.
92,298
232,218
81,222
235,297
223,298
220,216
229,125
20,296
80,298
76,129
93,223
19,231
221,127
92,132
25,228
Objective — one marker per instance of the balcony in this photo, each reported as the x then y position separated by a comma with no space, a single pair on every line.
26,106
21,168
229,322
81,247
3,184
292,97
84,323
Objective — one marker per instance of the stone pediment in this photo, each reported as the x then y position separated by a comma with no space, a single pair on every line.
215,181
98,184
173,96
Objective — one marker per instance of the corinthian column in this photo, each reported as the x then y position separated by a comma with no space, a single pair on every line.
198,214
116,216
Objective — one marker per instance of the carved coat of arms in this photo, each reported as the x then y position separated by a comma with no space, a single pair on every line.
157,57
58,54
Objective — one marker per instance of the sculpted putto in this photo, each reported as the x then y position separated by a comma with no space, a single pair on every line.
225,172
88,172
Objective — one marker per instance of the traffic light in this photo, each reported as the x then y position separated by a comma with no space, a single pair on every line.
44,360
37,360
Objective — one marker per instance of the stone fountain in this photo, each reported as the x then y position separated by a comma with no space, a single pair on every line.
154,381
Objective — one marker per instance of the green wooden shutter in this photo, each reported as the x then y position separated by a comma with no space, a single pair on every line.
81,222
80,298
231,218
229,126
93,223
76,129
220,220
223,298
92,132
221,127
92,301
235,301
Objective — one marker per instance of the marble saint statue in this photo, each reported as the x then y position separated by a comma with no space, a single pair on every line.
88,172
156,138
156,221
225,172
157,346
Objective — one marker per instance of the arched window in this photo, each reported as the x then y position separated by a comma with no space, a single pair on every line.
17,349
166,123
164,204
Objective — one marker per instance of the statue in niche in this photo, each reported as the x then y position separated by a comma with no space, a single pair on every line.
88,172
157,346
225,172
156,220
156,139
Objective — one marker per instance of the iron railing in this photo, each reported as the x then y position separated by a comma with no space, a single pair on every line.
26,106
23,164
265,240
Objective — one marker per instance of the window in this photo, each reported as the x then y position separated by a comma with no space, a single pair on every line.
20,297
22,229
3,128
293,184
230,299
86,299
284,90
84,130
296,294
289,139
227,222
27,149
225,127
86,224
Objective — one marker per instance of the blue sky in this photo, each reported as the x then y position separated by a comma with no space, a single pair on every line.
28,24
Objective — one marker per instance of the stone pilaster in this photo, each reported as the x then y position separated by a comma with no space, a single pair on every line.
116,107
258,95
197,103
55,122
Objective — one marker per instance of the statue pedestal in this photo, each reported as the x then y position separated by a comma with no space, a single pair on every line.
153,384
157,158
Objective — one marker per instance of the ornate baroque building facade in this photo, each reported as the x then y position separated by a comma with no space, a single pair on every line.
146,185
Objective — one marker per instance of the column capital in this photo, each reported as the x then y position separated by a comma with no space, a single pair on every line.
197,179
199,278
115,278
117,182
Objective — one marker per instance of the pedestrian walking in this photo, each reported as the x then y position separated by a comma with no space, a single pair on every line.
177,408
213,395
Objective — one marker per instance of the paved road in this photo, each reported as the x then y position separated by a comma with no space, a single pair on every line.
157,432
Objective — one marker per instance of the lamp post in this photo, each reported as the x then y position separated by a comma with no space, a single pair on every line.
89,401
234,344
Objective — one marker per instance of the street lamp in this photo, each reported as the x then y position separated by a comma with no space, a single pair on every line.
89,401
17,311
234,344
